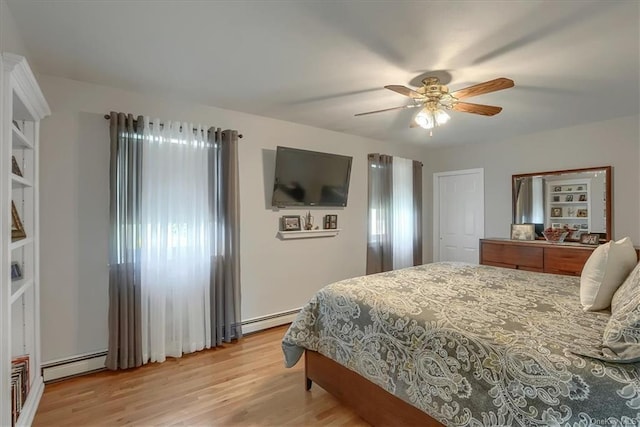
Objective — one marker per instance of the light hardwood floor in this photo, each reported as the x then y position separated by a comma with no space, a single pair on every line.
243,384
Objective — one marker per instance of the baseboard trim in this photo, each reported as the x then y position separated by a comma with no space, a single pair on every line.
265,322
73,366
91,362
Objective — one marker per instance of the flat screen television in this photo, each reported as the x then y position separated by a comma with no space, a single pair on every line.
310,178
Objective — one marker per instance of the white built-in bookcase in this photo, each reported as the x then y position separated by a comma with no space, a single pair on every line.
21,109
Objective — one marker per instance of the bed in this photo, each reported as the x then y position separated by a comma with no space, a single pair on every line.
465,345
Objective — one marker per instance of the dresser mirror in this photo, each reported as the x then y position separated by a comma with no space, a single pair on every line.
578,200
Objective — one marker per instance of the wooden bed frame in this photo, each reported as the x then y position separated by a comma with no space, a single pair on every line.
370,401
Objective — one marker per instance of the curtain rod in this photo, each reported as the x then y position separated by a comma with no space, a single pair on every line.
108,117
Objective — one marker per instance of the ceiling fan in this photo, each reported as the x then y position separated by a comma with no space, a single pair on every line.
433,98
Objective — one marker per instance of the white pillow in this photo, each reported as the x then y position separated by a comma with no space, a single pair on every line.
605,270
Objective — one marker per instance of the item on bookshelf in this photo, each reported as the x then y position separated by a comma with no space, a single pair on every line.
16,271
590,238
15,169
330,222
291,223
308,221
556,198
523,232
17,230
579,188
568,189
555,235
557,189
569,198
582,198
583,213
19,385
556,225
571,211
584,226
556,212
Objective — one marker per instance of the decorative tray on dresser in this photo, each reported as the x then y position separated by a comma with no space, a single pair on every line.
536,255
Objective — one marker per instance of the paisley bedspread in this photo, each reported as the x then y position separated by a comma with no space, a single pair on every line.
473,345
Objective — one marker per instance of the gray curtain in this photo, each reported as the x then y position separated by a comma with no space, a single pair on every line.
379,243
125,333
417,212
380,213
225,262
125,347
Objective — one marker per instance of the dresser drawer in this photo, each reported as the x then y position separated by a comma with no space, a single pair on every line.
565,260
520,257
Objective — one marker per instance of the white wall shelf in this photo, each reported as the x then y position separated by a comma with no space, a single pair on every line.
18,139
306,234
19,182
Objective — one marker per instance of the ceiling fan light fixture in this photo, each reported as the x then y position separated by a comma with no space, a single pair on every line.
430,118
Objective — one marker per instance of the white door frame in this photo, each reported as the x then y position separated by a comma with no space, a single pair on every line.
436,204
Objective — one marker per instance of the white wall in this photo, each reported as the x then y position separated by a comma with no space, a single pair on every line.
276,275
10,39
611,142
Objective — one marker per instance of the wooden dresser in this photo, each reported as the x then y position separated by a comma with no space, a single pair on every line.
536,255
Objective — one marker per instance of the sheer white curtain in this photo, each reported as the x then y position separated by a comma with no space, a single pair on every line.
175,240
403,213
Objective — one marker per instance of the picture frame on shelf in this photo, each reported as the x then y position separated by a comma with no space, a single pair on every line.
568,189
15,168
290,223
557,189
17,229
556,198
16,271
330,222
579,188
582,198
556,225
523,232
582,213
556,212
590,239
584,226
568,198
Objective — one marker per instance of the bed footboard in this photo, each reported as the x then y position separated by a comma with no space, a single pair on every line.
371,402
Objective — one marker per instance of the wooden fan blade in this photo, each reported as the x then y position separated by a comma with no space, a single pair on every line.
403,90
386,109
485,110
482,88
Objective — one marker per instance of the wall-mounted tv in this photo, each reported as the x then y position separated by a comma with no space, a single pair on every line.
310,178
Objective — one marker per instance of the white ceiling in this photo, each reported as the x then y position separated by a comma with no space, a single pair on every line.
320,62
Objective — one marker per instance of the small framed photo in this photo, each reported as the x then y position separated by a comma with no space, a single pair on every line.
584,226
557,189
17,230
15,169
575,235
330,222
582,213
590,238
16,271
568,198
556,212
568,189
582,198
556,225
579,188
291,223
523,232
556,198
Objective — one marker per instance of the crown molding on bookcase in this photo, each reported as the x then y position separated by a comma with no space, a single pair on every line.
26,85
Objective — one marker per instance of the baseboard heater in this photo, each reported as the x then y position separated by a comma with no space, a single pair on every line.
56,370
